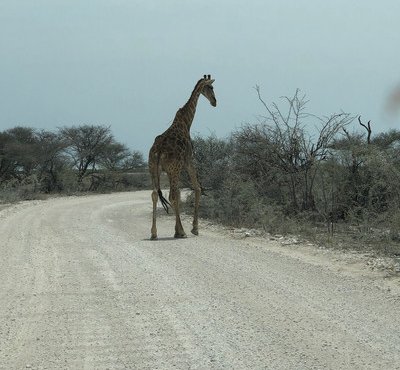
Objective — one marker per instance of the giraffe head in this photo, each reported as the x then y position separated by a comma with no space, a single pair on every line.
208,90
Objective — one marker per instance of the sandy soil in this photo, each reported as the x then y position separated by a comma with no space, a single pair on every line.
82,287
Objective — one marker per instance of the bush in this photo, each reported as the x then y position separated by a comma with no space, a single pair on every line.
14,191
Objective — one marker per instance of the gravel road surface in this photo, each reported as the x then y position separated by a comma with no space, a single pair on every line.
83,287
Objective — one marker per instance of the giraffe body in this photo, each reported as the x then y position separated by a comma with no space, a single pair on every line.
172,152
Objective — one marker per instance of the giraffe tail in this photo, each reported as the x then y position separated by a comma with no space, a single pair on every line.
164,202
156,172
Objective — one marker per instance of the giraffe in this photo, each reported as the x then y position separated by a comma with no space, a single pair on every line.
172,152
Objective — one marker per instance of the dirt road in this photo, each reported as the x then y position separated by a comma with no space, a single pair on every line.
82,287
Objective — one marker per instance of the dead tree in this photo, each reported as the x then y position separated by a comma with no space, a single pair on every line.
367,127
295,154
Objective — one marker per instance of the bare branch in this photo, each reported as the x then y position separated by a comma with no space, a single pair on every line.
367,127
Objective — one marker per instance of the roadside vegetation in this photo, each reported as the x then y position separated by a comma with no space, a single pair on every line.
72,160
332,179
329,179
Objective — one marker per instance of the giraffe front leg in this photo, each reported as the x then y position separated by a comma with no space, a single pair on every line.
195,230
197,191
154,197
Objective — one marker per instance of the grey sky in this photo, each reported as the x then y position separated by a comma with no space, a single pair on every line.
131,64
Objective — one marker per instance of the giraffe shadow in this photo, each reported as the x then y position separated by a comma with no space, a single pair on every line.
162,239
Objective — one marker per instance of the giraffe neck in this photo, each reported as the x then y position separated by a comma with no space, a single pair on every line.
185,115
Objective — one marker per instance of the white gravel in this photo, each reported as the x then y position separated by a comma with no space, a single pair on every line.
82,287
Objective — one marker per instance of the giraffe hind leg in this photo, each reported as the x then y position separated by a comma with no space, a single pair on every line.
154,197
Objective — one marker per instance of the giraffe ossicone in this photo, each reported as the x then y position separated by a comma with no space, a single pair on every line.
172,152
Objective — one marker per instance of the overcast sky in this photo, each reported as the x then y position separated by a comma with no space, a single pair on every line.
131,64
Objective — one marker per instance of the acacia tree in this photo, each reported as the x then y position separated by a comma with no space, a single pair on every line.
114,156
23,150
85,146
34,160
7,163
51,160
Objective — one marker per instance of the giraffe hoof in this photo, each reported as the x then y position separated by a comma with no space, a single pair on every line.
153,237
195,232
180,236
